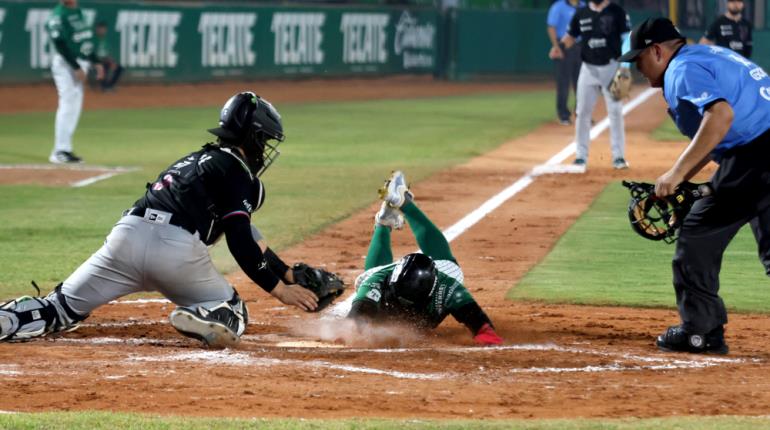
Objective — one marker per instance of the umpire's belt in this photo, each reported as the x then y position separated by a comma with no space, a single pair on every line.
155,216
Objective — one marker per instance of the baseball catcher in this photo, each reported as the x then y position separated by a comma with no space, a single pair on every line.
160,243
420,288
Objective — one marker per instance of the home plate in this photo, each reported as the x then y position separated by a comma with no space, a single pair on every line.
285,341
549,169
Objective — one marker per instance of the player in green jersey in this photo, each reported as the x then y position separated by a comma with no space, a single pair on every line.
420,288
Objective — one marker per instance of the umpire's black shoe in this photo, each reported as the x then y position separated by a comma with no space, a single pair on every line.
675,339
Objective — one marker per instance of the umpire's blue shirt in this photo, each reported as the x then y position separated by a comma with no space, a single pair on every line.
699,75
560,14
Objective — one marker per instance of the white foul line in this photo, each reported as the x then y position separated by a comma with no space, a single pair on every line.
451,233
496,201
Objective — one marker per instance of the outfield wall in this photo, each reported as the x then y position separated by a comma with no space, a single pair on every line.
206,42
203,42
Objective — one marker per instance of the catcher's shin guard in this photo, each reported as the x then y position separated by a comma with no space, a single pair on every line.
218,327
29,317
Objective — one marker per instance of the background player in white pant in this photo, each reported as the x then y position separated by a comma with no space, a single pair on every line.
72,36
160,244
601,28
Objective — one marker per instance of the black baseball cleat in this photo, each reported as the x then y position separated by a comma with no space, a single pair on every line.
675,339
64,157
210,331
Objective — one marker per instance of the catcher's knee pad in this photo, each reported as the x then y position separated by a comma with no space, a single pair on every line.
218,326
28,317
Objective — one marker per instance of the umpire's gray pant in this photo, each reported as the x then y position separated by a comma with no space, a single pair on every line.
144,255
592,81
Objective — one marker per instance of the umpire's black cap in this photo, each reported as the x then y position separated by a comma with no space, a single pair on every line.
648,32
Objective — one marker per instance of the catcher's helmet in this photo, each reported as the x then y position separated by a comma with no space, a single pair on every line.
414,280
249,121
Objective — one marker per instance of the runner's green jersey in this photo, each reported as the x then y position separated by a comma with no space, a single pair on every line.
448,295
71,34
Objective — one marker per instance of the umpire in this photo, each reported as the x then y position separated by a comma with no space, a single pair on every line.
566,60
721,101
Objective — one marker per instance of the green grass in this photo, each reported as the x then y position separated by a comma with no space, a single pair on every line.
106,420
335,157
667,131
600,260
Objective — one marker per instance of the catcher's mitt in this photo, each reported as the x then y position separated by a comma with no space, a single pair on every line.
658,218
326,285
620,87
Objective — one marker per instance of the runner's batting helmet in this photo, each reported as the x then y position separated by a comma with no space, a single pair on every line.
414,280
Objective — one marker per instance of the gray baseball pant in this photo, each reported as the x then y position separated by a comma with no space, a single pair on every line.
144,255
592,81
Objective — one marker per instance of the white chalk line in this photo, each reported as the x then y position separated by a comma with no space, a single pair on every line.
241,359
622,361
139,301
229,357
121,341
130,323
92,180
108,172
316,346
471,219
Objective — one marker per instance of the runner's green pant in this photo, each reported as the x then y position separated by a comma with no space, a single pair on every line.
429,238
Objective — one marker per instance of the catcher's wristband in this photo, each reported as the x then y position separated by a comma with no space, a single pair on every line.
276,265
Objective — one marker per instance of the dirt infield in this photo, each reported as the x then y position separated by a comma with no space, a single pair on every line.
558,361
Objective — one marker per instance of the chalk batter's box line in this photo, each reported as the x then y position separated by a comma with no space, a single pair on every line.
624,363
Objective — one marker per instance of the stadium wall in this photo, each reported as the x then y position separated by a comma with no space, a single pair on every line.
191,42
208,42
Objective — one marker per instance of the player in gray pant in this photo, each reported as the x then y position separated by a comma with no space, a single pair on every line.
600,28
160,243
595,80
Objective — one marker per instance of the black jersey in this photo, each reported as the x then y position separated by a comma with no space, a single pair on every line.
599,33
735,35
204,188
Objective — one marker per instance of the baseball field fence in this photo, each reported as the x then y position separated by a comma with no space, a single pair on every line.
194,42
